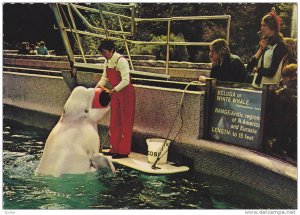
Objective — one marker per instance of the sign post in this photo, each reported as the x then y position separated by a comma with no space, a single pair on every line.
210,86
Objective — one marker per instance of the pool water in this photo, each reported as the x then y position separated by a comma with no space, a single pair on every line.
128,189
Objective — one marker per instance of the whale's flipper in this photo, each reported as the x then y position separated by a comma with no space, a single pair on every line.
100,161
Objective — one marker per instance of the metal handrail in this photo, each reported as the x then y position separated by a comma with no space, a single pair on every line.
103,21
134,20
130,5
134,72
182,18
175,82
168,46
126,44
55,9
135,42
76,33
85,21
94,10
179,18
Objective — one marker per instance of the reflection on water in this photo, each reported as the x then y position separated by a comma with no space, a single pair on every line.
22,149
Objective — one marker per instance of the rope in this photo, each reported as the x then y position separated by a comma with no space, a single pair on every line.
171,128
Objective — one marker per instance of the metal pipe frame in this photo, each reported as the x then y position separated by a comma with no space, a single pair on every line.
131,7
126,45
93,27
182,18
103,20
153,19
119,5
133,72
63,33
228,29
168,48
93,10
134,20
133,13
218,17
143,42
76,33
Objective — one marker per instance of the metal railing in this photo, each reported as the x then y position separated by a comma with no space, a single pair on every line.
104,32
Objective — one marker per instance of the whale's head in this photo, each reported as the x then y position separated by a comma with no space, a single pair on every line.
81,105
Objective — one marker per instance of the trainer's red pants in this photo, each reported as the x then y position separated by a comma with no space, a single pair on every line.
122,114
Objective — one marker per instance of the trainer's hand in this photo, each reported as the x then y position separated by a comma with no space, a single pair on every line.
109,91
104,88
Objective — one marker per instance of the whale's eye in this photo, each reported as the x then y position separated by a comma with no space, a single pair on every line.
86,110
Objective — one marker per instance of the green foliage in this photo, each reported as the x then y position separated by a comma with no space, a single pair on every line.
178,53
112,22
285,11
89,45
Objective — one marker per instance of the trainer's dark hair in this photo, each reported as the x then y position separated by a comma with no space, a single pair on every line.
104,99
107,45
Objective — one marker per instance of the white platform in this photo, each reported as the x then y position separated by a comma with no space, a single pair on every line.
139,162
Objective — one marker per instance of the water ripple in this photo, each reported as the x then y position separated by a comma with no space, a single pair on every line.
127,189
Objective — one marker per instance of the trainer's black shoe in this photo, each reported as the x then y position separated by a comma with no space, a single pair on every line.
118,156
108,153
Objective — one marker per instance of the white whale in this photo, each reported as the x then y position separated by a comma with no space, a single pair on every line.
73,145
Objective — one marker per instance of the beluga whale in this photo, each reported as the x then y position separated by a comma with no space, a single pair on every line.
72,146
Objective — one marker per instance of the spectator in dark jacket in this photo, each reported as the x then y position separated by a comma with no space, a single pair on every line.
225,66
24,49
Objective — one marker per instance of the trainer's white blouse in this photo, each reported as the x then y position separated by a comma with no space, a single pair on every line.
122,66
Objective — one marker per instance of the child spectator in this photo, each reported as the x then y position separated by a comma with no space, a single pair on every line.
289,75
291,56
32,50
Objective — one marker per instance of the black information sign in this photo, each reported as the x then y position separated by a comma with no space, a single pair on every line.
236,117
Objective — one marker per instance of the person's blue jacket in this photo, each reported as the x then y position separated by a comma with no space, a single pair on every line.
42,50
